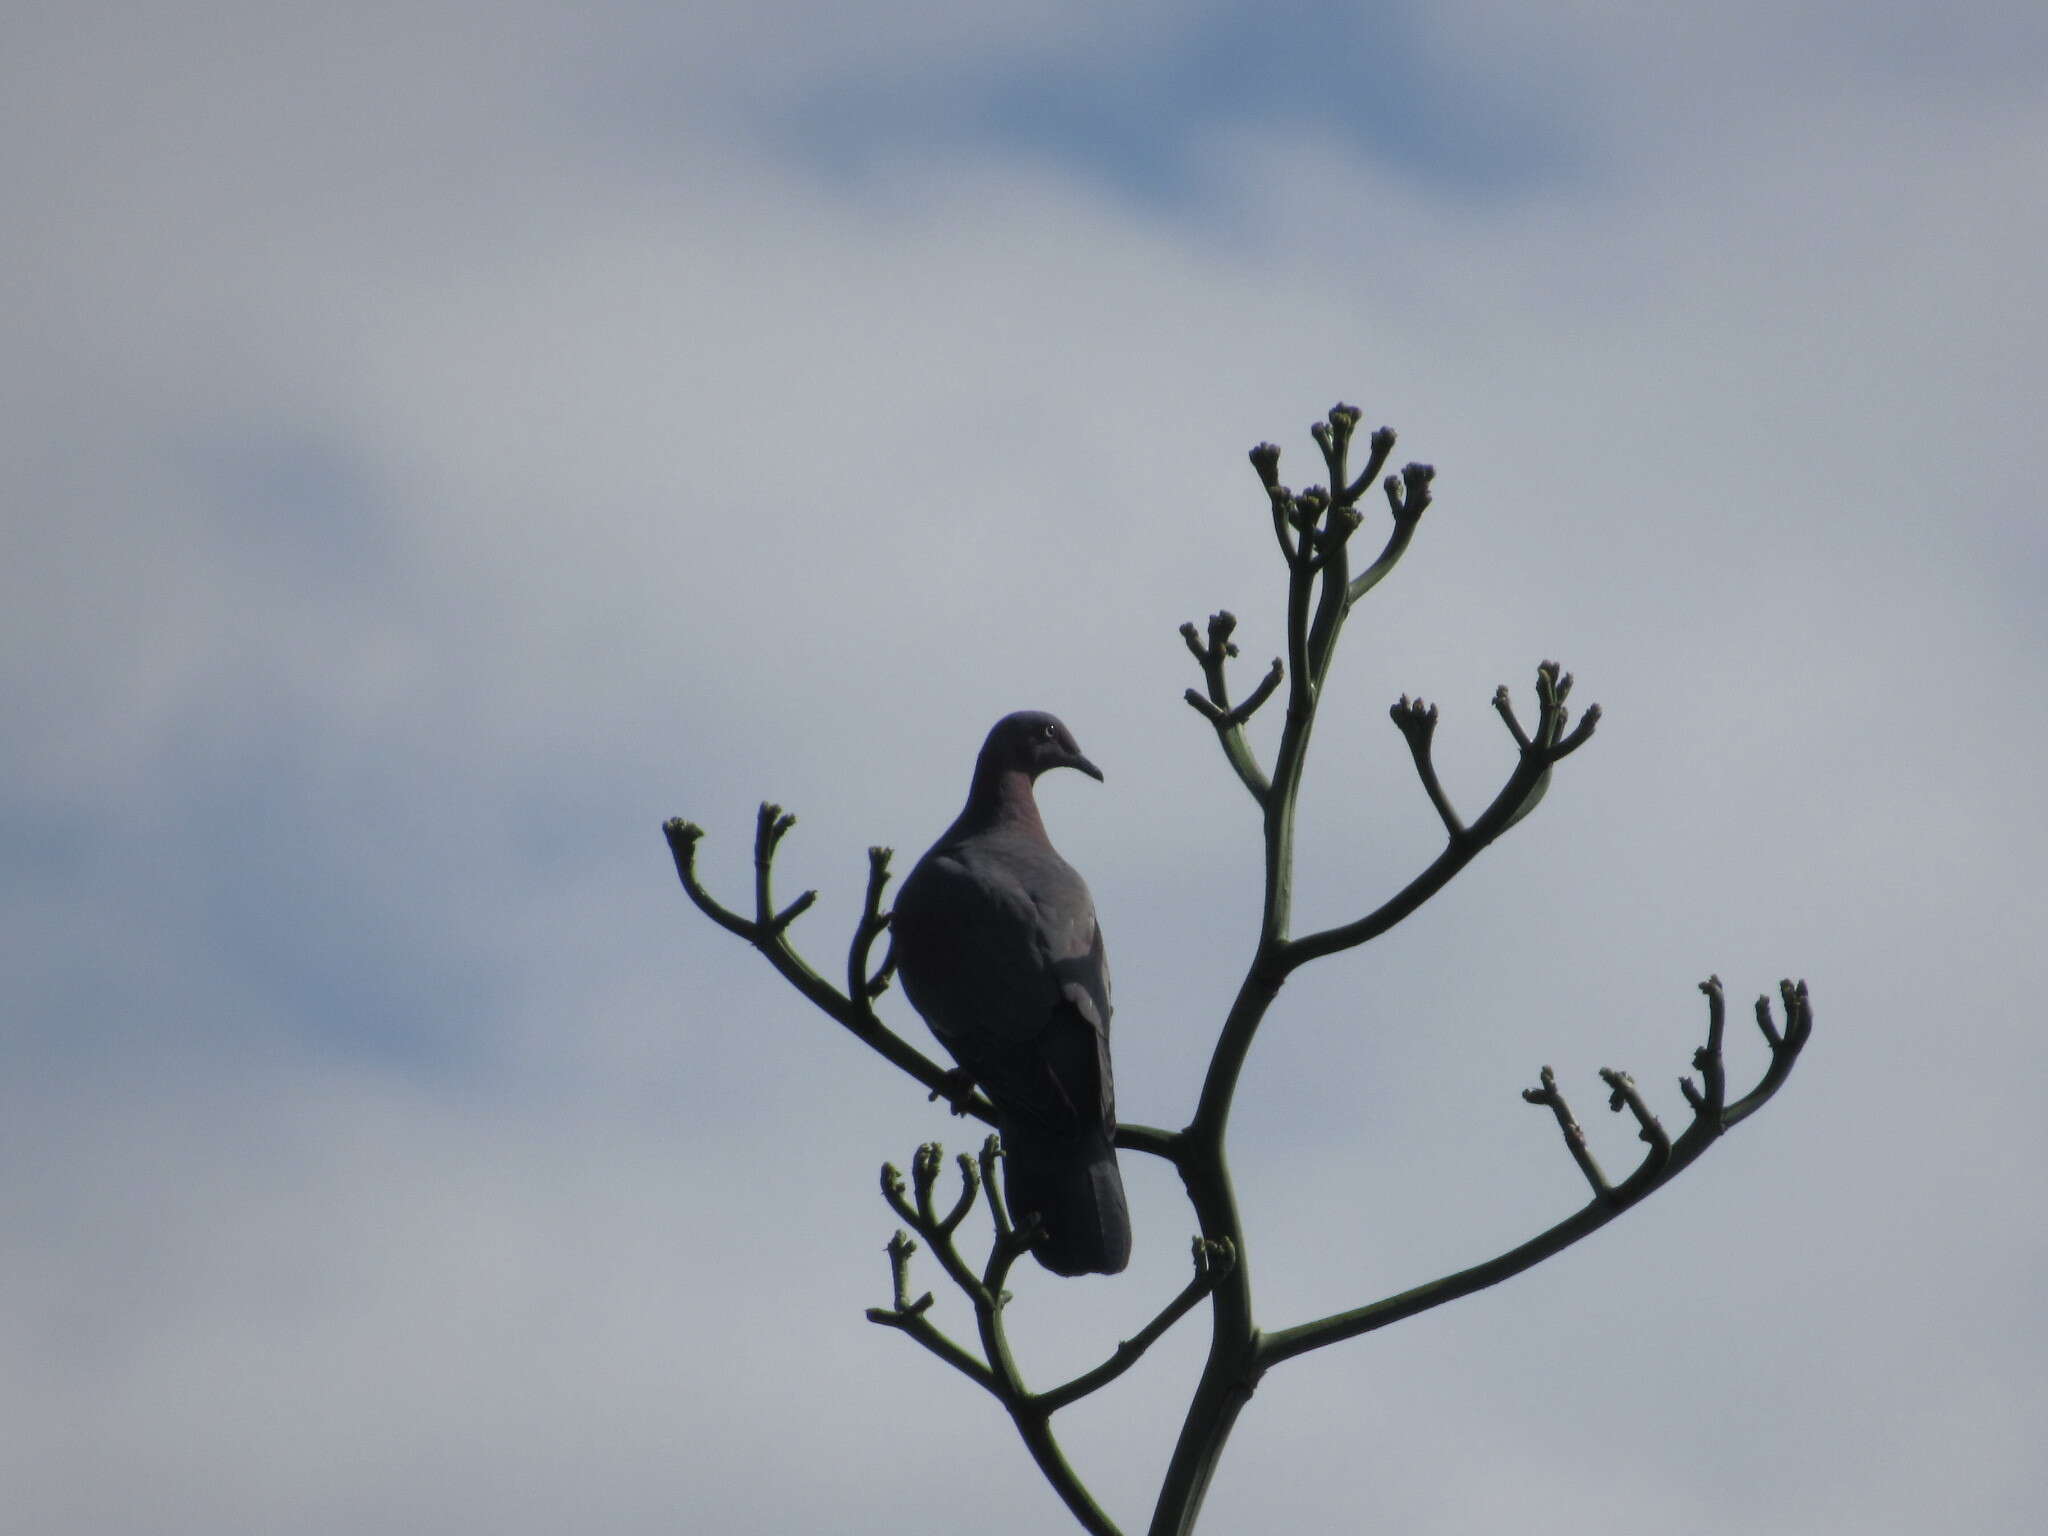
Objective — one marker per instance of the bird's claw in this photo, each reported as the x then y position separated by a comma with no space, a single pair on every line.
957,1090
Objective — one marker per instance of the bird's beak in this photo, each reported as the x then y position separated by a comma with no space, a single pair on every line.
1086,767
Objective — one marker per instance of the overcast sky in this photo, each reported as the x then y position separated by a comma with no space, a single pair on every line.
441,441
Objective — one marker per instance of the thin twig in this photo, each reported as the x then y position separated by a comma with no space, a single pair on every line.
1417,723
1574,1133
1215,706
861,985
1212,1262
1626,1093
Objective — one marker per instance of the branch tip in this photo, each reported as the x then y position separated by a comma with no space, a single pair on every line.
1504,706
771,823
792,912
1222,624
1763,1022
1574,1134
924,1171
1580,733
1266,461
1258,696
1413,717
970,1186
1798,1012
1416,722
1408,493
1382,445
1626,1096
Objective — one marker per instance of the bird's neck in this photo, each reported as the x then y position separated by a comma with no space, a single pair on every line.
1001,798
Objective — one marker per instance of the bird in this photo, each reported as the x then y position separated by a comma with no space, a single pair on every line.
997,946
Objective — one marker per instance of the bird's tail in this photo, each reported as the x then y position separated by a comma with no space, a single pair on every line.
1072,1183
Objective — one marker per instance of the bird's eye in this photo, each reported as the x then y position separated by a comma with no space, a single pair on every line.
1052,732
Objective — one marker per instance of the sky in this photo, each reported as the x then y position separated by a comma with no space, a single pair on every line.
442,441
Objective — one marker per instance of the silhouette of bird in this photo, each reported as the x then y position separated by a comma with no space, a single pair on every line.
998,948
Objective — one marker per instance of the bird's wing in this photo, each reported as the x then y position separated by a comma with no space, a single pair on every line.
999,949
968,953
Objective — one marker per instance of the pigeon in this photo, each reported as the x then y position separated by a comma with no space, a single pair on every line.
997,947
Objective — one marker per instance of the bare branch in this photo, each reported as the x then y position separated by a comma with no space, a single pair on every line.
792,912
1215,706
1012,1241
861,986
1407,506
770,937
1314,529
1389,557
854,1011
1333,545
1149,1139
1707,1059
1408,494
771,825
925,1165
1664,1161
1785,1048
1212,1262
908,1317
1266,462
1382,445
970,1186
1506,707
1574,1133
1417,723
924,1221
1303,510
1259,695
900,1249
1516,799
1763,1022
1580,734
683,837
998,1206
892,1191
996,1371
1265,459
1625,1093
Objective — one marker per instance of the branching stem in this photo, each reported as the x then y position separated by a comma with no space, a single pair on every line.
1313,530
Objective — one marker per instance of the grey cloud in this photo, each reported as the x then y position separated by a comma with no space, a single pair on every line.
419,492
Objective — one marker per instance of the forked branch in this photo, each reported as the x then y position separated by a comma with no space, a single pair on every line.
1215,705
1314,529
768,931
1538,753
1663,1162
994,1368
1213,1261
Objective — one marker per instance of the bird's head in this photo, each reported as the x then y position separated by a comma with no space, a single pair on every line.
1032,741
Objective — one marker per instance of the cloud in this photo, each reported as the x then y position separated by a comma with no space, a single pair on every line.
443,445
